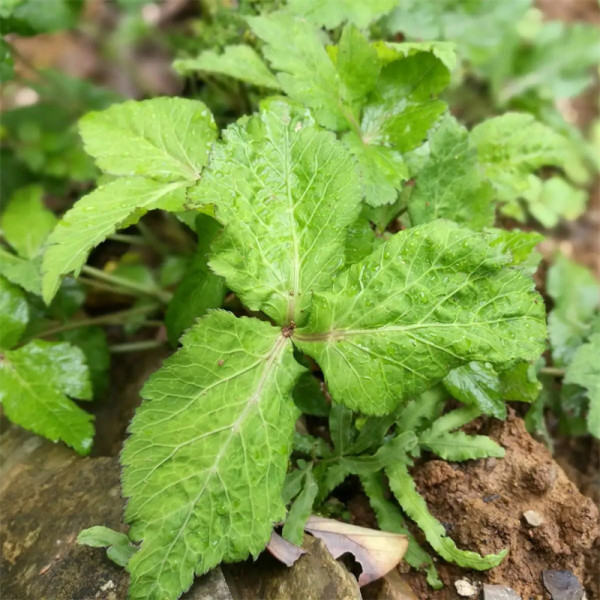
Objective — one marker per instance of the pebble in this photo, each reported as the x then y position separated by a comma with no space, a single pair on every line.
533,518
465,588
499,592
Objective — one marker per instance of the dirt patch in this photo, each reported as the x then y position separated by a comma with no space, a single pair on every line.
482,505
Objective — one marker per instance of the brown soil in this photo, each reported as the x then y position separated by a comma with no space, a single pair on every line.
481,504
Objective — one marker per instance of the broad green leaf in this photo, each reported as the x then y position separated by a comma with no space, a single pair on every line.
167,139
451,184
480,25
7,66
402,107
361,240
36,382
239,61
309,396
557,63
396,117
520,244
332,14
357,64
576,296
95,216
305,71
459,446
14,314
445,51
30,17
413,504
430,299
391,519
477,384
92,342
381,168
584,370
26,222
20,271
200,289
206,460
286,192
118,547
554,199
300,510
520,383
513,146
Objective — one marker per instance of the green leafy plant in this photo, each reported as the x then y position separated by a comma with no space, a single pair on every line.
212,439
346,268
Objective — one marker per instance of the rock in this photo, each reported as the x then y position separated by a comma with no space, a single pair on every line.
563,585
499,592
465,588
48,495
533,518
316,575
391,587
211,586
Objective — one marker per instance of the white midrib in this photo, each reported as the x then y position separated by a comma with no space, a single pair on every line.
340,334
272,357
291,309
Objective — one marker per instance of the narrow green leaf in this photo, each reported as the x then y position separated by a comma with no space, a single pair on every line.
584,370
333,14
459,446
286,192
341,429
118,547
14,314
300,510
240,62
26,222
35,381
205,463
430,299
451,184
390,518
200,289
413,504
167,139
22,272
419,413
96,216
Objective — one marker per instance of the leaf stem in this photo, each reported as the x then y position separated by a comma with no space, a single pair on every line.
136,346
137,240
111,318
162,295
553,371
151,239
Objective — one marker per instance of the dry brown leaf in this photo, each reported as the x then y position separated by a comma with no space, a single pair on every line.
377,552
284,551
